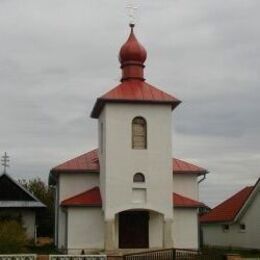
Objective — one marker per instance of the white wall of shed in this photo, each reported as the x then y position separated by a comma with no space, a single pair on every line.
214,235
28,219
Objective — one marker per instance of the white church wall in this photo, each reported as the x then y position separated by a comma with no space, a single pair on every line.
75,183
121,162
85,229
155,230
71,185
214,234
101,153
185,228
186,185
61,243
56,210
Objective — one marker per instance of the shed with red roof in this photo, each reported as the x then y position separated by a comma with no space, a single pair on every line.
236,221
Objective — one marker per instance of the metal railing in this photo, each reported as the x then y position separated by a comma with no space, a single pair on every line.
182,254
19,257
164,254
168,254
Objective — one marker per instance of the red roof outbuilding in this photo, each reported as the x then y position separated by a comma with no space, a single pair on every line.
228,210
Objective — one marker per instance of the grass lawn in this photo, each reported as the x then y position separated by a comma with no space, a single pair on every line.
42,250
254,253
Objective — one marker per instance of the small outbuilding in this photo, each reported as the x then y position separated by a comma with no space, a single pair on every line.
17,203
235,222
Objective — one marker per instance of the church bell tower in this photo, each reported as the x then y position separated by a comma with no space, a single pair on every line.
135,151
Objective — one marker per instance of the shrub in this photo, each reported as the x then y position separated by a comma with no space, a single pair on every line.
12,237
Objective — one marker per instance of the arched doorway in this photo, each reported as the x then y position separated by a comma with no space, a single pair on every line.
134,229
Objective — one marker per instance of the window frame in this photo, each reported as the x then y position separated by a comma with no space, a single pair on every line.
242,227
139,175
225,227
134,135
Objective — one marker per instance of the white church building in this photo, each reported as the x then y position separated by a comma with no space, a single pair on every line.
130,192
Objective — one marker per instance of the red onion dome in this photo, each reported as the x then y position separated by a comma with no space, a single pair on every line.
132,51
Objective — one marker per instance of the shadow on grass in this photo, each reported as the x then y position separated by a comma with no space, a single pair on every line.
42,250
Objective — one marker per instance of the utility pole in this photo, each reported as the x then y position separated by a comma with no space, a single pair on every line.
5,161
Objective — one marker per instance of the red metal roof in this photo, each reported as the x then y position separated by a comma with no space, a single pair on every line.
134,91
89,162
228,210
185,202
133,88
89,198
92,198
180,166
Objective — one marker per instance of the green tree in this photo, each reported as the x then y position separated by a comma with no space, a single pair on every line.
12,237
45,217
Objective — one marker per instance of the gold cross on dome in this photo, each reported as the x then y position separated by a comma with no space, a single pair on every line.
131,7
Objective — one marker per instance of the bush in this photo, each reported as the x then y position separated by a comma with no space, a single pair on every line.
12,237
44,217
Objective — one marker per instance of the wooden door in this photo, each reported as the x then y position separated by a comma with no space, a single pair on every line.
134,229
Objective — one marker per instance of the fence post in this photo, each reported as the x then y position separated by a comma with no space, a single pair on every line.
173,254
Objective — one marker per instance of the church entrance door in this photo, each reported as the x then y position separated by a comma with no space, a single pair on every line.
134,229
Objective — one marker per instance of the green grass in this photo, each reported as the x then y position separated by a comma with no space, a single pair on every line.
42,250
229,250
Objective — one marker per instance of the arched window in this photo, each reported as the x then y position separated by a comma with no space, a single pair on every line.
139,177
139,133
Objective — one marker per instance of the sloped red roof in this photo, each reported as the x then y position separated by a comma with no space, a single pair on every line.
89,198
92,198
228,210
134,91
180,166
89,162
185,202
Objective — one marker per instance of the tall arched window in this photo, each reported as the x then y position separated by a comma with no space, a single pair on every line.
139,177
139,133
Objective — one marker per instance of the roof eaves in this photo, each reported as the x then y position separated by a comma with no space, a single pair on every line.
201,172
22,188
58,171
248,201
82,205
190,206
99,104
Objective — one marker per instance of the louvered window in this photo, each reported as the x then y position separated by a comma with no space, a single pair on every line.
139,177
139,132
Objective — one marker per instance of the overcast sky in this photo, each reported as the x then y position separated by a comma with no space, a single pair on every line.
58,56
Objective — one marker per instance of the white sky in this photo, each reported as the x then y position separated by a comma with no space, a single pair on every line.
58,56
